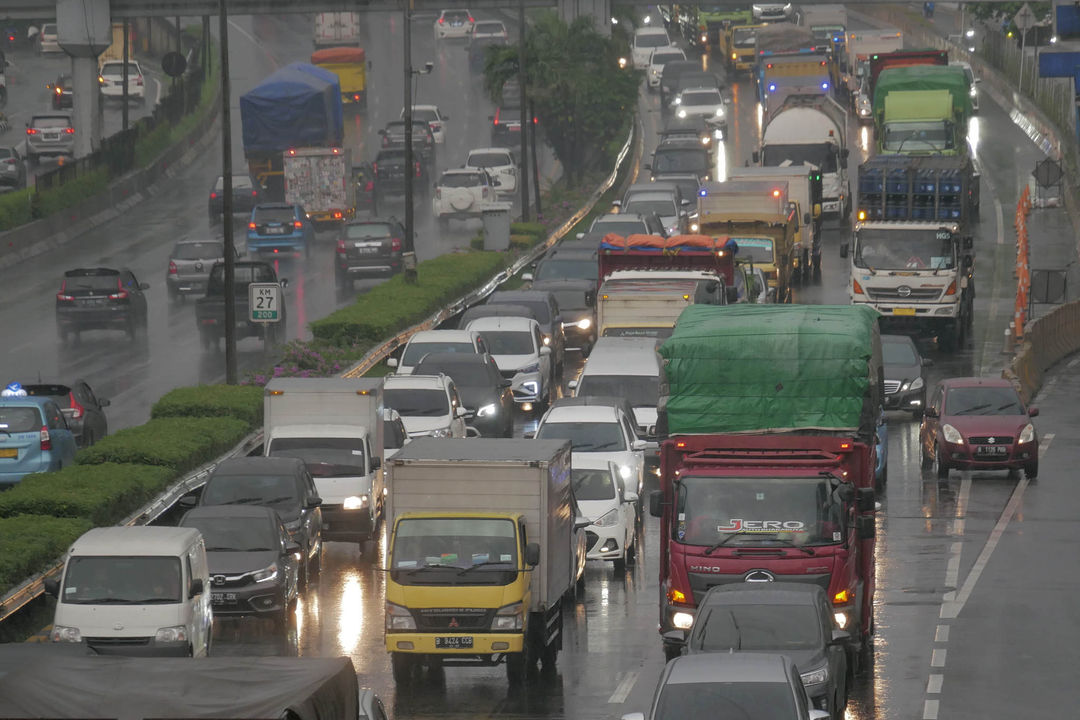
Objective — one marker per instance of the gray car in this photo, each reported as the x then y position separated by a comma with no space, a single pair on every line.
51,134
189,266
905,386
12,169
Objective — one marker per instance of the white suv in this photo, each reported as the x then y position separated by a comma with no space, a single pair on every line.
111,80
658,58
500,165
461,194
454,24
428,405
426,342
517,346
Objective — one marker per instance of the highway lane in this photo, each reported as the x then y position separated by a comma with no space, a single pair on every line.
134,376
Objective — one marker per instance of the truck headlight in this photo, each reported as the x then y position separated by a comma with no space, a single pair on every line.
355,502
1027,434
547,340
486,410
174,634
682,113
720,111
266,574
608,519
841,619
508,617
398,618
816,677
585,324
972,91
625,471
952,435
682,620
64,633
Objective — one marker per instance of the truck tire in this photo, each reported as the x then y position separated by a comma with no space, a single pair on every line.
519,665
402,666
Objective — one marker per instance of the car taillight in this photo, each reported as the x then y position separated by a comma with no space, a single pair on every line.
31,131
69,131
213,195
374,169
337,216
442,20
172,268
10,161
356,97
435,127
370,186
11,38
395,244
62,296
297,224
416,165
59,91
120,294
472,20
138,81
254,193
496,120
46,441
77,410
341,246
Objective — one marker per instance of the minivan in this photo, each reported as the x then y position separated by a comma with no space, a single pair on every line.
626,367
34,437
135,591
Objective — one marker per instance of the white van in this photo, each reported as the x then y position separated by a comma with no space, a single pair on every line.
135,591
629,368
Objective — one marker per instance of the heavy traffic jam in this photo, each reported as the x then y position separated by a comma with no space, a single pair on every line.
661,449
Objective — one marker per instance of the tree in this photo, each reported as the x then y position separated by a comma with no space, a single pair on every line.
581,98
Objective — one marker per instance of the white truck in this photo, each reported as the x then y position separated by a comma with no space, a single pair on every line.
480,555
811,129
646,303
861,44
338,29
335,425
320,180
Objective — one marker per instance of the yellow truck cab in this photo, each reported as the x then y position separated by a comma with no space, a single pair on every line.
740,46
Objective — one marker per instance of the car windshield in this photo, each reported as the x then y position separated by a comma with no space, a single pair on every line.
19,419
464,375
711,97
243,275
775,628
821,156
640,390
679,160
571,299
117,68
238,182
907,250
662,58
644,207
276,491
235,534
393,434
415,351
760,700
567,269
199,251
489,28
592,484
120,580
898,353
585,436
91,282
273,214
50,122
425,114
755,250
620,227
461,180
744,37
441,551
485,160
983,400
917,137
324,457
644,40
367,231
417,402
509,342
758,511
688,187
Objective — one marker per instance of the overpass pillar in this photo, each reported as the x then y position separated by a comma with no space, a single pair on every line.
84,31
598,10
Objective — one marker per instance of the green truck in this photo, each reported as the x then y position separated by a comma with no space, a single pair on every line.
922,110
713,19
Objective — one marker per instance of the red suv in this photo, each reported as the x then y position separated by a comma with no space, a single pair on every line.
979,424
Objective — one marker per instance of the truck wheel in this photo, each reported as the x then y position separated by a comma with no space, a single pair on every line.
402,666
941,463
518,665
549,655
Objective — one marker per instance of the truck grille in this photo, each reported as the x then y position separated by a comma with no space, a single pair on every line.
453,619
701,582
912,295
892,386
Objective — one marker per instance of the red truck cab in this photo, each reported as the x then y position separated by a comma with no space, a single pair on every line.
904,58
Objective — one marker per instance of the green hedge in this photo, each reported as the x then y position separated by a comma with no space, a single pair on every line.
539,230
242,402
15,208
103,494
29,543
395,305
181,444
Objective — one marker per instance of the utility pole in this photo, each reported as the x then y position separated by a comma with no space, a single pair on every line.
127,54
408,256
535,164
226,200
526,119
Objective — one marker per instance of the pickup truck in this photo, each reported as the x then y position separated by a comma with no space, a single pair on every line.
210,309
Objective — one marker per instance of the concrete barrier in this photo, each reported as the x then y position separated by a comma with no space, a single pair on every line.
1047,340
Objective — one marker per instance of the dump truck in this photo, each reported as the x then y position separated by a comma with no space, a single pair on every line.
674,254
320,180
768,414
923,109
829,25
901,58
913,258
713,20
350,66
738,43
337,29
480,553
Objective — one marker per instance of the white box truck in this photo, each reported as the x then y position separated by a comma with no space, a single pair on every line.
340,29
320,180
335,426
480,554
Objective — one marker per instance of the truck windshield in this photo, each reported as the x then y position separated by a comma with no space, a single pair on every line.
754,250
430,551
757,511
904,249
917,137
119,580
744,37
822,156
324,457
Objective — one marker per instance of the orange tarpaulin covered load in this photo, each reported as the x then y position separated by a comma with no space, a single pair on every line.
673,244
680,252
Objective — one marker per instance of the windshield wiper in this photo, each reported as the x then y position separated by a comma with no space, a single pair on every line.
105,601
430,566
1006,405
244,501
970,410
224,549
717,546
489,562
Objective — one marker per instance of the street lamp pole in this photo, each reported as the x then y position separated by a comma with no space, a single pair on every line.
227,200
526,118
408,256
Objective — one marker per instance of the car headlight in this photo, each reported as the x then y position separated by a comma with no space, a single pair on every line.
682,113
608,519
720,111
355,502
508,617
530,368
174,634
682,620
266,574
622,62
694,227
706,140
952,435
399,618
1027,434
441,433
816,677
677,101
585,324
64,633
547,340
292,528
971,92
486,410
912,385
625,471
841,619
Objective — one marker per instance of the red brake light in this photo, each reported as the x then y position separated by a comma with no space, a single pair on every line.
370,186
31,131
46,441
496,116
417,166
69,131
298,224
442,20
680,445
438,193
213,195
395,244
251,226
341,245
356,97
76,407
374,169
10,161
337,216
172,268
254,193
472,20
120,294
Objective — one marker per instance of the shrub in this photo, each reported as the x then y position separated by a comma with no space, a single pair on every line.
395,305
539,230
15,209
237,401
523,242
180,443
30,543
103,494
72,192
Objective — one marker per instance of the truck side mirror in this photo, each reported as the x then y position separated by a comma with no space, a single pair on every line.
196,588
843,250
376,463
656,502
755,157
391,362
532,554
840,636
52,587
867,500
865,528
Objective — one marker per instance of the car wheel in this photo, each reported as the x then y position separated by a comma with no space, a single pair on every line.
924,456
1031,470
132,330
619,563
315,566
941,463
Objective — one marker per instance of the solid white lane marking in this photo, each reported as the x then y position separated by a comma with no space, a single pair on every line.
933,685
941,635
1000,220
937,659
930,710
157,97
622,690
952,570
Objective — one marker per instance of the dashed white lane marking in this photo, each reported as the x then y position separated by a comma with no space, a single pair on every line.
937,659
622,690
933,685
930,710
941,635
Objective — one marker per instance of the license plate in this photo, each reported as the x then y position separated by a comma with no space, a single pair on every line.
9,452
275,231
903,311
93,301
222,598
51,136
992,450
456,642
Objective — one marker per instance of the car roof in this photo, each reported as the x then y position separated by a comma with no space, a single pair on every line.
491,150
231,511
24,401
373,220
462,171
763,593
653,195
699,88
499,310
415,382
618,217
515,450
443,335
727,668
976,382
679,143
258,466
135,540
650,31
503,322
560,413
501,296
565,284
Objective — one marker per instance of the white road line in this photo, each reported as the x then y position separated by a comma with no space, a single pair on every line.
930,710
157,98
952,570
622,690
941,635
1000,220
1074,362
937,658
933,685
951,609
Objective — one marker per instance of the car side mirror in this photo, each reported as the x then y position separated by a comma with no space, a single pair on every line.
491,117
284,282
629,496
104,402
755,157
527,277
52,587
647,166
446,118
532,554
196,588
844,154
732,295
545,350
684,202
616,203
572,385
843,250
580,235
382,132
819,715
806,219
1033,412
188,501
462,412
506,383
930,412
292,547
144,286
927,362
391,362
638,445
676,638
656,502
865,528
313,502
529,434
969,243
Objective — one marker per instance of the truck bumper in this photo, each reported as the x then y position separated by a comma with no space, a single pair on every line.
483,644
833,205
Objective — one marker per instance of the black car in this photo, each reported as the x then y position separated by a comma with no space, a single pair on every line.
62,92
627,224
281,483
365,188
84,411
246,194
566,262
795,619
546,310
509,310
670,76
100,299
506,127
693,127
577,306
905,386
482,389
681,156
390,175
367,246
253,564
393,135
